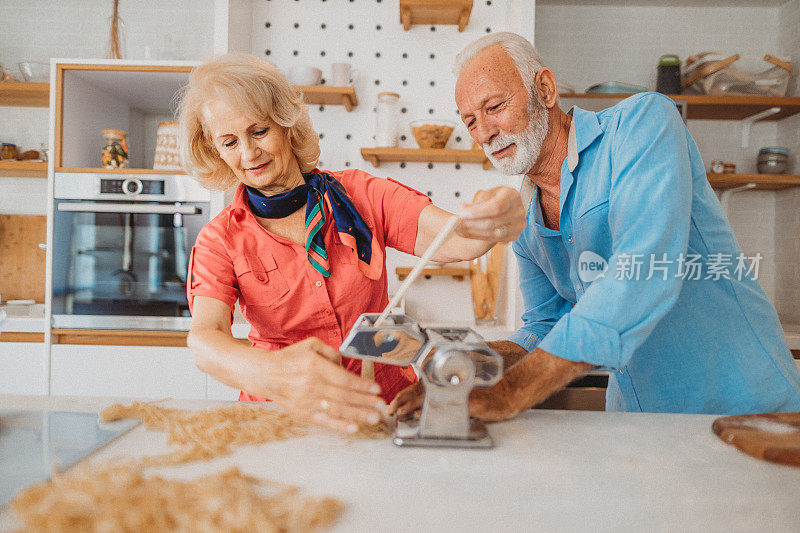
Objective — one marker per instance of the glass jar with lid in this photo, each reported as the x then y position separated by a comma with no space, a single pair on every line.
387,120
115,152
773,160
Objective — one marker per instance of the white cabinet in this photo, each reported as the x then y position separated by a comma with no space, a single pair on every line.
22,367
129,371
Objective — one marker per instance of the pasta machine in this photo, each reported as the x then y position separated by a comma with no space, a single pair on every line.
450,362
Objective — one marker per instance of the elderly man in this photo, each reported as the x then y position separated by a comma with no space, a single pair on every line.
621,263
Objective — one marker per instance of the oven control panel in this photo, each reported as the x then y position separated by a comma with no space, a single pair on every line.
131,186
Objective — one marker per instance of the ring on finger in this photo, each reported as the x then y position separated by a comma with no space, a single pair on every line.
324,404
501,232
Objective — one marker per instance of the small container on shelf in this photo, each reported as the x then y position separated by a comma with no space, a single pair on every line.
167,156
115,152
386,132
432,133
668,79
8,151
773,160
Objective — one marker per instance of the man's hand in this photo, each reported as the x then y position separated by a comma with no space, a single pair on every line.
408,401
529,381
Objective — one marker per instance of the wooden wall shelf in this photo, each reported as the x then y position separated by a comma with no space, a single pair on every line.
23,169
425,155
24,94
435,12
704,107
100,170
329,95
110,337
458,273
765,182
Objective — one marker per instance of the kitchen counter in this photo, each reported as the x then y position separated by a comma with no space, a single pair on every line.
550,470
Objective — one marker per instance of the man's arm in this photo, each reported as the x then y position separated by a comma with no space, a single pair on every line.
531,379
528,379
511,352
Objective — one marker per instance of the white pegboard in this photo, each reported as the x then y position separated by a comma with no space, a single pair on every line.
417,64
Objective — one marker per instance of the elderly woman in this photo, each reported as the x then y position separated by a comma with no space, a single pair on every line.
302,249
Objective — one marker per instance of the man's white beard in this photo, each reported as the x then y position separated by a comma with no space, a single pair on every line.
528,142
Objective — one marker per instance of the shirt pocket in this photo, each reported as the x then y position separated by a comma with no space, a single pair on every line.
592,230
260,281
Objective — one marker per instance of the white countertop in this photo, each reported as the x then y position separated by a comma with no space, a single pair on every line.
549,471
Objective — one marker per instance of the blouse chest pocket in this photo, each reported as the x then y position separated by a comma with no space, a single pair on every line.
260,281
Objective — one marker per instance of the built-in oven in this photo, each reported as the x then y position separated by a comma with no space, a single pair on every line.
121,245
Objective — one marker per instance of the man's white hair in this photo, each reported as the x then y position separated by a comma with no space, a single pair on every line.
522,52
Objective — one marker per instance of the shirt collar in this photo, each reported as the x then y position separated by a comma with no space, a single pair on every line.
584,129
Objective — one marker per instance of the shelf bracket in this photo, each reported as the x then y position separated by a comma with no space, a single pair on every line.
725,197
405,17
747,122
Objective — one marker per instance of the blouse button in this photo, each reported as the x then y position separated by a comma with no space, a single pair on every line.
318,283
260,277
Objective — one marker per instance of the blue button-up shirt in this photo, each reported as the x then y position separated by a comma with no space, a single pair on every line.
645,277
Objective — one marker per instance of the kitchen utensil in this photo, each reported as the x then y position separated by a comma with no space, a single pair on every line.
367,370
22,261
713,73
304,75
668,77
615,87
774,437
450,363
485,283
33,443
168,154
343,74
387,116
773,160
34,71
432,133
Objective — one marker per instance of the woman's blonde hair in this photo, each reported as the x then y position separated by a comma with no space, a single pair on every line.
258,90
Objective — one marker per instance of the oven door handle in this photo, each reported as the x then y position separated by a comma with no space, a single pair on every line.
98,207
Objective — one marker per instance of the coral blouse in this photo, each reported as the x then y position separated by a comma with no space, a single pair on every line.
282,296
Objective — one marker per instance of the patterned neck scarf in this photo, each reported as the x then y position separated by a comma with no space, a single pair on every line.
352,228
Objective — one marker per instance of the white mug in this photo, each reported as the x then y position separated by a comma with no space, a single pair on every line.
343,74
304,75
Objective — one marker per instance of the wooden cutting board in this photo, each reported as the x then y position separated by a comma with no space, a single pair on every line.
22,262
774,437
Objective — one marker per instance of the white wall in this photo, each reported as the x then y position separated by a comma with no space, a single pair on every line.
424,83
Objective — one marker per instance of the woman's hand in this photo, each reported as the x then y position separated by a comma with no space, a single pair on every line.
495,215
308,380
